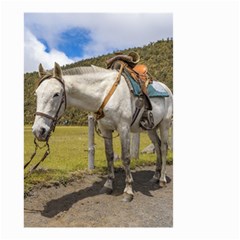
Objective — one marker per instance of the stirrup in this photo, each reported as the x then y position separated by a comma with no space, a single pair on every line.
147,121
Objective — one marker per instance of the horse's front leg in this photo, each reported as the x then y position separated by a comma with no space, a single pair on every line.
125,144
108,186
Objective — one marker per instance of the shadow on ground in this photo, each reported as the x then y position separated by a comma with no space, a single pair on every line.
141,184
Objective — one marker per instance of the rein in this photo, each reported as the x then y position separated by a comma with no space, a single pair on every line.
52,127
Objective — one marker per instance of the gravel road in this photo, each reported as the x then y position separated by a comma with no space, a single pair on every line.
79,204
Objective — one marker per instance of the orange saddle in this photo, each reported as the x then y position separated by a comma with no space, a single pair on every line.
141,71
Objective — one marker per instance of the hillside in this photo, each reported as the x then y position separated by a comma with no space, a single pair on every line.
157,56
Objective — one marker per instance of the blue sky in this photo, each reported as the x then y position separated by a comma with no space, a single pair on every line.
69,37
73,41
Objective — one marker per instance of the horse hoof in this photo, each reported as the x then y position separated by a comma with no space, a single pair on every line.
127,197
106,190
163,184
154,180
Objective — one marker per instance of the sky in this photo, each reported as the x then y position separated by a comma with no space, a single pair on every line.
69,37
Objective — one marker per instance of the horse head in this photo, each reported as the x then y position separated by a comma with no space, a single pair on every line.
51,102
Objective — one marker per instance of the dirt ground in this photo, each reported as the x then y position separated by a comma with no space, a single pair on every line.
79,203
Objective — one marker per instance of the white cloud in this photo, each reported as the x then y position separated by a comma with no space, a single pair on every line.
108,31
34,53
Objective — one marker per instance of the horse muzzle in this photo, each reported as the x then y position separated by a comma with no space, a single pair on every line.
41,133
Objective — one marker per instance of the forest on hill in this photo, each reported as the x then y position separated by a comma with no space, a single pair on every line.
158,56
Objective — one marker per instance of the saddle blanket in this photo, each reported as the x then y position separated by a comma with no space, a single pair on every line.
154,90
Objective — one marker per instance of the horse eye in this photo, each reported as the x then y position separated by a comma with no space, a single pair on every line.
56,95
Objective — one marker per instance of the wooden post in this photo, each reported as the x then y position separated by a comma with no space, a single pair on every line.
135,144
91,148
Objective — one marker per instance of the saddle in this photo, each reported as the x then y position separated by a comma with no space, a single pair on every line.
139,72
142,72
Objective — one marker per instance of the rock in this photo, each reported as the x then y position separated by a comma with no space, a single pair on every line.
149,149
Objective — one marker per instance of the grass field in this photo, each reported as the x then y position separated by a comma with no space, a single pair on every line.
69,155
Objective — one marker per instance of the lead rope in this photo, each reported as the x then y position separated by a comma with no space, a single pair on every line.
47,152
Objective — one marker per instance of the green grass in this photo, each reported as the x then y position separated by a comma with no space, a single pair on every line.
69,155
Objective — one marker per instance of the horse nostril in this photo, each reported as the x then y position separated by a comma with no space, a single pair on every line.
43,130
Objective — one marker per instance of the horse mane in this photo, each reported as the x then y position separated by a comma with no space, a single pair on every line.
84,70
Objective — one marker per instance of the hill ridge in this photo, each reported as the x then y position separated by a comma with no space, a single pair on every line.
158,56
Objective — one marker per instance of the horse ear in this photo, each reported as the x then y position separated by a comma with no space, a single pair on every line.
41,71
57,71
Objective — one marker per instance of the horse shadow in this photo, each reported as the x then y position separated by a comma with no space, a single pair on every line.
141,184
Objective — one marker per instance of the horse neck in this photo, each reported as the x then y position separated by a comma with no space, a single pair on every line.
87,91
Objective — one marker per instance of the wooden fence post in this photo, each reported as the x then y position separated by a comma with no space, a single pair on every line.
91,147
135,144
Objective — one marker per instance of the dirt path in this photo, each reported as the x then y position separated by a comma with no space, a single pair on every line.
79,204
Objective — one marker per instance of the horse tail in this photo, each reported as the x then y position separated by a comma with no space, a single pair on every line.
170,135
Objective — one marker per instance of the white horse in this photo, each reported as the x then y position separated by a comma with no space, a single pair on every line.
86,88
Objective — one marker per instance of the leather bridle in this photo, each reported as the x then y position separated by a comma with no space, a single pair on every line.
52,127
63,100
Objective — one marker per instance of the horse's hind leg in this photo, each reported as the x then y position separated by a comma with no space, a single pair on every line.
164,128
108,186
125,144
157,144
